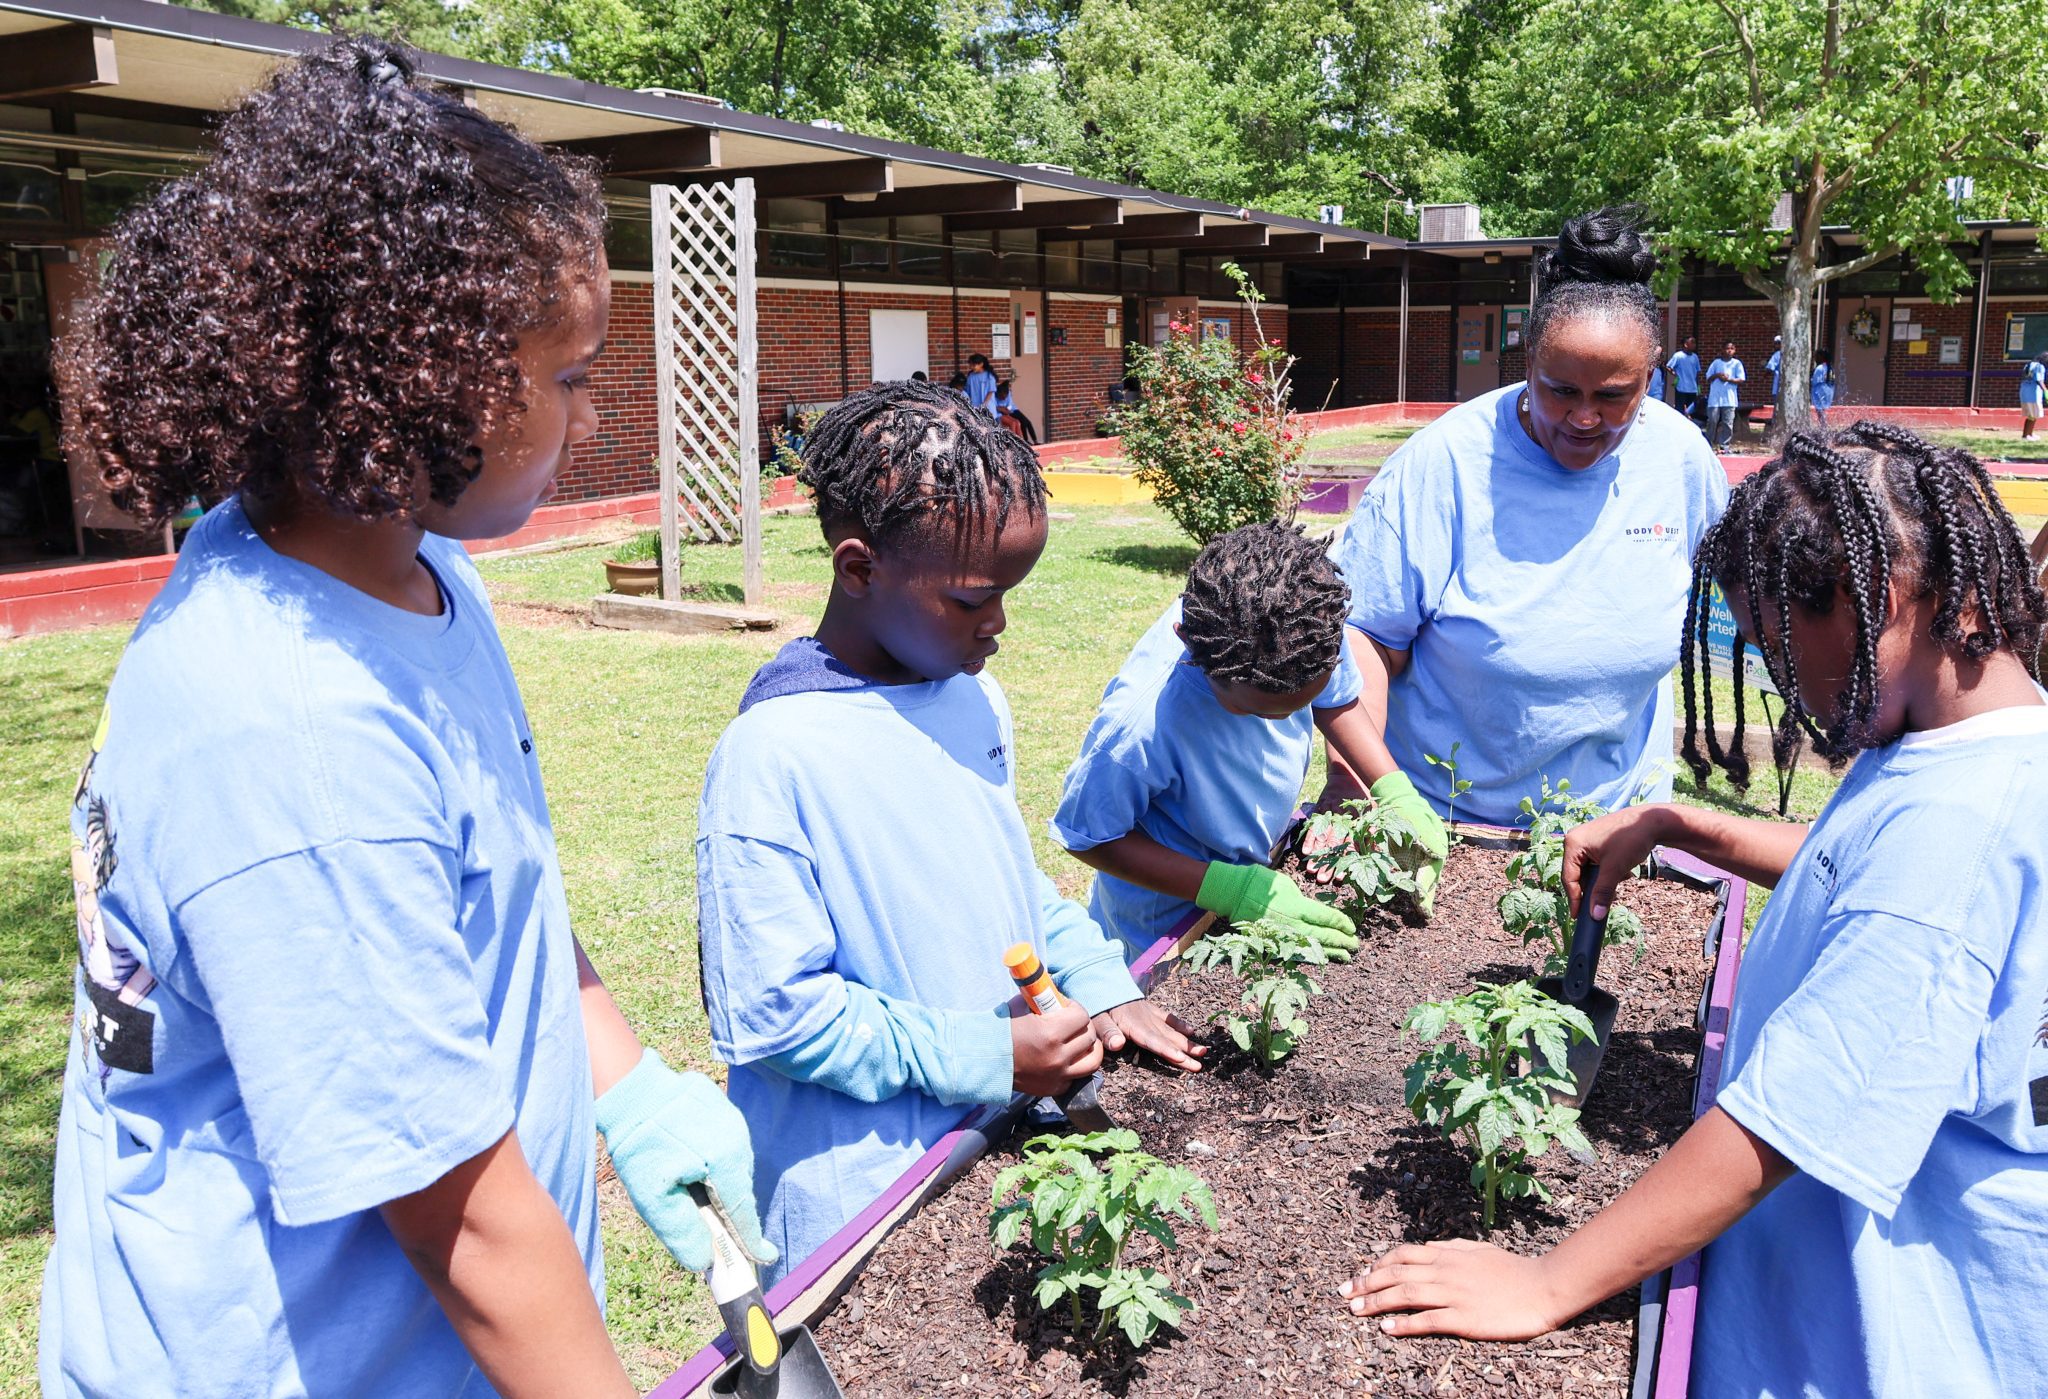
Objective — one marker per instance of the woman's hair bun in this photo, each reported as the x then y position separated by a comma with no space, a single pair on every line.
1606,245
381,63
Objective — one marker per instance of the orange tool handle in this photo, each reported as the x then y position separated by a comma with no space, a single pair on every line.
1032,979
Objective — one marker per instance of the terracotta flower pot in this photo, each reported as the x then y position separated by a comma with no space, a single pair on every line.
633,579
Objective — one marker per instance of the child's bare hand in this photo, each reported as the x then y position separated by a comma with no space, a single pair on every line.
1617,843
1048,1052
1317,842
1148,1027
1458,1287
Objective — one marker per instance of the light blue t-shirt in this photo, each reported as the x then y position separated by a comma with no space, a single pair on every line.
1886,1038
1165,757
861,867
981,391
1777,359
324,958
2033,383
1541,607
1722,393
1823,386
1685,371
1657,383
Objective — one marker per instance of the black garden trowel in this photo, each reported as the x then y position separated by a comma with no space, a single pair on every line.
1577,990
767,1364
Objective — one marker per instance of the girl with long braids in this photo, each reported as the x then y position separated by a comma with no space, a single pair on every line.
1875,1171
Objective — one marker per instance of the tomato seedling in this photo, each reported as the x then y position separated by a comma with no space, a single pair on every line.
1081,1212
1269,957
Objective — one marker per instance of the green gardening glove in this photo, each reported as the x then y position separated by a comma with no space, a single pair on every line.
667,1131
1425,858
1247,893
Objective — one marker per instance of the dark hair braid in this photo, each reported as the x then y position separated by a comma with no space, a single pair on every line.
1842,516
1265,607
898,457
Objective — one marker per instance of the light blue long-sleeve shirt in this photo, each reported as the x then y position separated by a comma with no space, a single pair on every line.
862,864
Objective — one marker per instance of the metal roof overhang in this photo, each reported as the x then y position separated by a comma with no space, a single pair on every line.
168,60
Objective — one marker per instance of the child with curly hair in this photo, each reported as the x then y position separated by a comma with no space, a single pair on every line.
329,1123
1871,1185
1194,764
861,860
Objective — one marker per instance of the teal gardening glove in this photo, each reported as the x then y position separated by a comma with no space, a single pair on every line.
1247,893
667,1131
1432,841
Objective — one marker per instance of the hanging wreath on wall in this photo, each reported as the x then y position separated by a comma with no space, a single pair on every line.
1864,328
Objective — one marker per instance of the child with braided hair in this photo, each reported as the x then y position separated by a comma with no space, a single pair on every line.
1875,1170
862,863
1195,761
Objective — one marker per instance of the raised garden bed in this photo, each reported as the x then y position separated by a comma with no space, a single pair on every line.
1316,1167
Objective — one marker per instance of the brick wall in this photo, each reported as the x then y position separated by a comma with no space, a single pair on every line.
1750,327
1924,381
1371,357
1082,370
618,459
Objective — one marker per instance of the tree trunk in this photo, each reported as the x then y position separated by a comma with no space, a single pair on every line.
1795,331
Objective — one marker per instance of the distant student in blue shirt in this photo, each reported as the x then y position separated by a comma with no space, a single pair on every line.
981,385
1823,385
1724,395
1684,365
1871,1186
861,860
1193,767
330,1114
2033,393
1774,363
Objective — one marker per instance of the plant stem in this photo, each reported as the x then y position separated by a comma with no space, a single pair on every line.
1492,1184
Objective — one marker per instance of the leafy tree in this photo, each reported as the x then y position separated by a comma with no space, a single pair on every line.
426,24
1711,111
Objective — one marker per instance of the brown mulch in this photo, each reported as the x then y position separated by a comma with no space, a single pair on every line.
1316,1168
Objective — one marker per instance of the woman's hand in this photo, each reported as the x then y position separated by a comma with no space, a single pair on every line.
1457,1288
1617,843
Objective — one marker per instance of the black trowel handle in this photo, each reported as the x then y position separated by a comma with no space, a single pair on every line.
1588,933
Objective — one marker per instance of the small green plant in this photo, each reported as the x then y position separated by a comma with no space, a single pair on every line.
644,547
1535,908
1485,1095
1081,1212
1269,957
1365,853
1459,785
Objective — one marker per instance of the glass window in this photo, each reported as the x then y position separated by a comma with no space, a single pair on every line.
109,191
863,246
792,234
1199,277
974,258
1166,271
1019,250
28,192
1137,271
1271,279
921,247
1098,265
1063,264
629,240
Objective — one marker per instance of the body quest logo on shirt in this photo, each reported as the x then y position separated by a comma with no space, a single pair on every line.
1655,534
999,755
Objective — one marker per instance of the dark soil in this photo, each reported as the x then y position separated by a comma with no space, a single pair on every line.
1316,1168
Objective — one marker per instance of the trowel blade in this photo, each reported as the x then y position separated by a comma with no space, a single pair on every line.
1582,1060
1083,1107
802,1373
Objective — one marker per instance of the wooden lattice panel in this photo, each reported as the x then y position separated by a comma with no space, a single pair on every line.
705,374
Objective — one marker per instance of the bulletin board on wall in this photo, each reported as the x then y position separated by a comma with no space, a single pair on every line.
2025,336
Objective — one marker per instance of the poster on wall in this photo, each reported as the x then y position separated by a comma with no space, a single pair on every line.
1030,346
1215,327
1902,330
999,340
1951,349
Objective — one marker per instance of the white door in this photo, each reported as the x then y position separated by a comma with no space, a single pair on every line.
900,347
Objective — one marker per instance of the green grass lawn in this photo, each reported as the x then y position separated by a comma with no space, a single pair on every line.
1364,445
625,723
1994,446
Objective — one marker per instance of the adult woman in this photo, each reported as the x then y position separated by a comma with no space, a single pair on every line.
1519,570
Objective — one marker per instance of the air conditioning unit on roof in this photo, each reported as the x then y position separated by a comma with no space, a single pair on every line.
1049,167
1450,223
701,99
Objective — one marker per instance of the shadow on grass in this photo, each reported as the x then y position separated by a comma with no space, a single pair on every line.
1172,560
